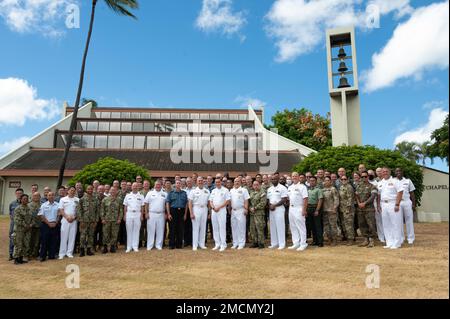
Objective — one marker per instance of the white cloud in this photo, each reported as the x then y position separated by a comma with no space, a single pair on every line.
39,16
298,26
246,101
19,102
419,44
423,133
218,16
7,146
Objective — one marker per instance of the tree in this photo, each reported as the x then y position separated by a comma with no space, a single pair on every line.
108,169
301,126
349,157
85,101
439,146
121,7
408,150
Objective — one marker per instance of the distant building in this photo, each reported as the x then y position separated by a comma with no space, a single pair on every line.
434,207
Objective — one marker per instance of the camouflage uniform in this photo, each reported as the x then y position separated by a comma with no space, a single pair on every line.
23,221
265,187
33,250
346,211
258,201
87,215
330,205
366,216
247,217
111,212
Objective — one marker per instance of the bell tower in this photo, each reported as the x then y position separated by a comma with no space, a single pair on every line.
343,86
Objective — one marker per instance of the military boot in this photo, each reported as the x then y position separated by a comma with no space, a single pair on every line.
333,242
370,245
89,252
105,249
82,254
11,257
17,261
113,249
364,243
261,246
350,242
23,261
255,245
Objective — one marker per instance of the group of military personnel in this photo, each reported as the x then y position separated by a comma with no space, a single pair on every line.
238,211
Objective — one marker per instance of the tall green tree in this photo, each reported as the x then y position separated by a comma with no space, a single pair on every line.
415,152
121,7
304,127
439,146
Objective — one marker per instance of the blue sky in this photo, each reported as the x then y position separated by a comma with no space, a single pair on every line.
224,53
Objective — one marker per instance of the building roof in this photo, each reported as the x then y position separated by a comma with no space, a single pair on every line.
47,162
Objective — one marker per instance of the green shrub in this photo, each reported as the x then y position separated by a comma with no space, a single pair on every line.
108,169
349,157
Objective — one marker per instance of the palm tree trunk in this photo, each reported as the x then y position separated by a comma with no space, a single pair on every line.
77,101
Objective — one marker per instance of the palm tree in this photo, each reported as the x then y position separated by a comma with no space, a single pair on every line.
121,7
409,150
424,151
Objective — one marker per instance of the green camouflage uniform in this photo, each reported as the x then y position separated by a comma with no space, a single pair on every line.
366,216
346,210
258,201
23,221
111,211
329,207
87,215
33,250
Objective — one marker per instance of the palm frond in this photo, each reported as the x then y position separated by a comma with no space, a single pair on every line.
123,7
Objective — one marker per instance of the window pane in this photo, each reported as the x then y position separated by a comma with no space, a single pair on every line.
145,115
215,127
233,116
139,142
138,127
159,127
170,127
226,127
182,127
175,116
83,126
113,141
88,141
224,116
126,127
155,115
204,116
127,142
76,141
97,114
125,115
100,141
165,115
115,115
243,117
103,126
135,115
165,142
149,127
92,126
153,142
195,116
106,115
115,127
214,116
184,116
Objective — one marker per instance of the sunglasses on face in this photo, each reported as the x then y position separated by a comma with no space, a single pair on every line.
343,179
364,176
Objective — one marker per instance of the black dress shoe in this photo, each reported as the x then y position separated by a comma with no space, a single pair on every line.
42,259
254,246
17,261
261,246
105,249
171,247
82,254
320,245
112,249
11,257
23,261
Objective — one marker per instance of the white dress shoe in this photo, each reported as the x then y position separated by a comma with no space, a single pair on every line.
281,248
273,247
293,247
302,247
216,247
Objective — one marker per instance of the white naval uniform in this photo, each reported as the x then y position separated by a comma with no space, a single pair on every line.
407,209
156,221
68,230
238,217
277,225
378,219
392,220
297,222
134,203
199,198
218,197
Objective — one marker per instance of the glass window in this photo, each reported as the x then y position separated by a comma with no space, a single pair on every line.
170,127
159,127
184,116
195,116
248,127
215,127
155,115
194,127
145,115
92,126
243,117
224,116
103,126
204,116
165,142
237,128
165,115
233,116
135,115
115,127
138,127
82,126
126,127
214,116
115,115
139,142
182,127
175,116
149,127
125,115
113,141
76,141
126,142
101,141
88,141
106,115
97,114
226,127
153,142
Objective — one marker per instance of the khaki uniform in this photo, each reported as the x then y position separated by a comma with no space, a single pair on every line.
23,221
33,250
87,215
111,212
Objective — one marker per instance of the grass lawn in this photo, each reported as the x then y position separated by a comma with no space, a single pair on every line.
421,271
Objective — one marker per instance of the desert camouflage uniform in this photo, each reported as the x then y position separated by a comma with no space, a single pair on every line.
87,215
346,210
366,216
258,201
23,220
111,212
33,250
329,215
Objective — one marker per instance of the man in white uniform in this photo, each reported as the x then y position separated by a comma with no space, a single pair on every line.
407,204
239,208
390,195
155,202
378,219
219,199
277,196
198,208
134,207
67,209
298,203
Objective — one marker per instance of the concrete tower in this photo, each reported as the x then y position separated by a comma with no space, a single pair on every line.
343,86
